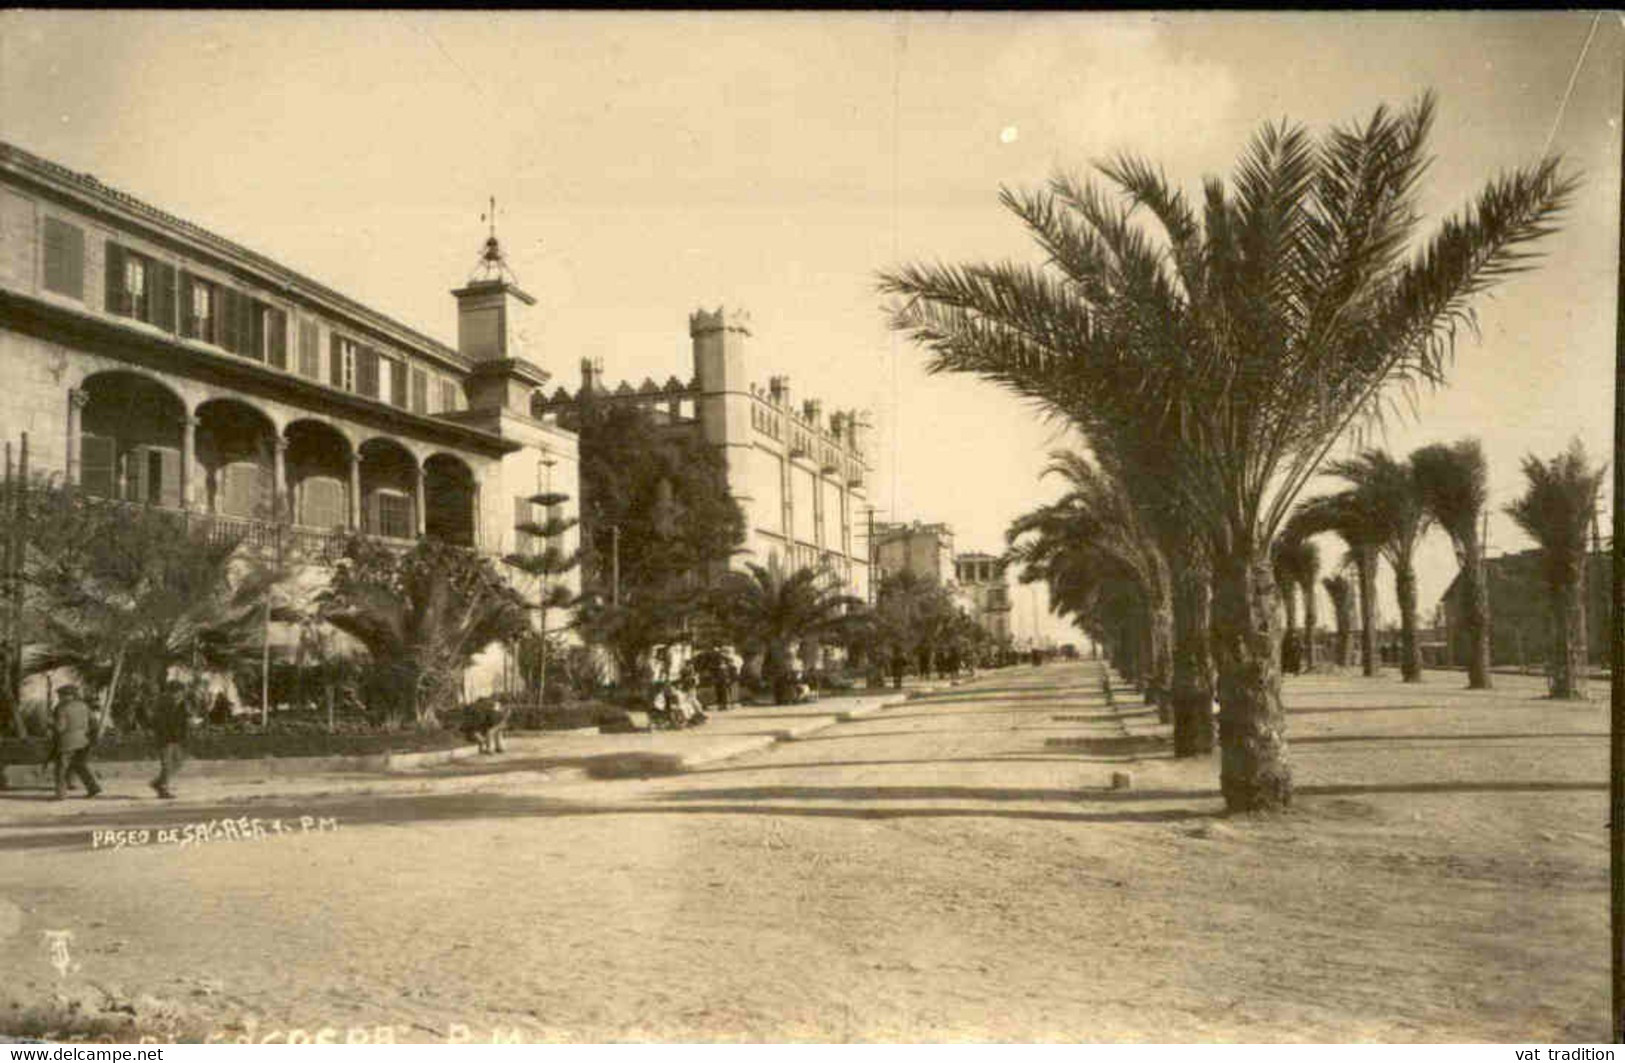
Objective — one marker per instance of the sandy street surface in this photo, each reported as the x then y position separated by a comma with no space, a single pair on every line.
953,868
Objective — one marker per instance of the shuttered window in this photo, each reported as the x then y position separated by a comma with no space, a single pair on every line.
397,383
391,514
322,502
276,336
198,308
238,490
366,372
139,287
97,465
342,367
448,396
153,476
64,258
420,391
309,350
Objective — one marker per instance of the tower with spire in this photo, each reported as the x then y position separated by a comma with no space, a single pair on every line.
491,310
491,306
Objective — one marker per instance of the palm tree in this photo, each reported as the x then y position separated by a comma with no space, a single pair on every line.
1308,570
1453,482
1556,510
1296,563
768,610
1386,492
121,596
1098,513
1251,336
1346,515
423,618
1341,594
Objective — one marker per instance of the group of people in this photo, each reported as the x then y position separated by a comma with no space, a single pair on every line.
677,684
76,728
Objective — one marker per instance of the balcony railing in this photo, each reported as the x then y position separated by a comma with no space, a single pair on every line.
266,538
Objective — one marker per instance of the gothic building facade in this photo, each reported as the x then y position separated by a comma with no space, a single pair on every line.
798,475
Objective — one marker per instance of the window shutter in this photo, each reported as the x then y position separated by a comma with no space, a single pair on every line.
250,331
163,296
254,318
64,258
335,365
366,372
321,502
189,322
225,329
276,337
96,465
117,301
309,348
420,391
242,491
169,485
135,474
397,384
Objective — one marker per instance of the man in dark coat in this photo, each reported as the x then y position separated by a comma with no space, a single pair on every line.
70,733
171,723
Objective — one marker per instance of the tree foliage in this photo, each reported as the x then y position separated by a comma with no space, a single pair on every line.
1253,332
1556,509
423,616
655,506
122,594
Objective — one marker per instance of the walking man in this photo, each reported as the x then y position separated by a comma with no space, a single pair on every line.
70,728
171,723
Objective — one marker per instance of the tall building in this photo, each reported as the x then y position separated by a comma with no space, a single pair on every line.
983,580
797,473
923,549
152,361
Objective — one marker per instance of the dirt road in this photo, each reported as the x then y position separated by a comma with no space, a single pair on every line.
955,868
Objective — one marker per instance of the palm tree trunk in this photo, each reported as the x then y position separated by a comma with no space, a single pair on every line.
1569,630
1310,616
1365,568
1254,774
1159,689
1192,698
1477,617
1410,651
1291,661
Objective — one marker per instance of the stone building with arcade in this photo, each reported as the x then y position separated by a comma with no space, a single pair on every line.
151,361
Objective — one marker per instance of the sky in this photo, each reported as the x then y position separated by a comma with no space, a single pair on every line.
648,164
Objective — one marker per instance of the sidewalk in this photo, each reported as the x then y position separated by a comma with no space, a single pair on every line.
531,758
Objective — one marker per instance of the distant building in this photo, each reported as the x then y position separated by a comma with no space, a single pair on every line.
923,549
1521,612
983,580
798,474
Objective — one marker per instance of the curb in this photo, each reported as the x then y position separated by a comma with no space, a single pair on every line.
25,774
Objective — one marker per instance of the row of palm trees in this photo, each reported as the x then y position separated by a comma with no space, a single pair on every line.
1104,569
1213,359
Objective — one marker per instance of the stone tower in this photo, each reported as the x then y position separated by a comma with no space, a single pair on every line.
491,333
